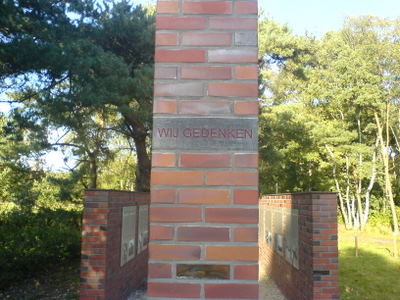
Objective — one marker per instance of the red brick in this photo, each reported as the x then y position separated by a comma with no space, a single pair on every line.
160,270
97,193
181,89
246,7
179,55
169,177
174,252
94,222
91,286
206,39
163,159
200,107
163,196
203,234
203,196
91,239
206,72
246,197
180,23
331,290
204,160
167,7
164,107
246,72
232,215
158,232
245,160
246,272
246,234
322,296
222,89
96,210
229,23
166,39
173,290
246,107
232,55
165,72
207,7
87,297
94,216
232,178
175,214
232,253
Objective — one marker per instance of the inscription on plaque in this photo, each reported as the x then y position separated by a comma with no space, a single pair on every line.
128,234
281,230
205,134
143,238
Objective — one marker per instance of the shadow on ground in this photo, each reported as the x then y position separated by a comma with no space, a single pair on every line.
369,276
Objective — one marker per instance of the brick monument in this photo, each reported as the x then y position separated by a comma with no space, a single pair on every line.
204,199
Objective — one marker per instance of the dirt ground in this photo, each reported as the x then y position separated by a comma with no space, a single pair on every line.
62,283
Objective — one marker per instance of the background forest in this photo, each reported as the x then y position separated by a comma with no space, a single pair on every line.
76,77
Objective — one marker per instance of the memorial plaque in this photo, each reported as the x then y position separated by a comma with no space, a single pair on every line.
268,227
205,134
128,234
189,271
291,224
143,238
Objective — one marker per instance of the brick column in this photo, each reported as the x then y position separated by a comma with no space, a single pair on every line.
102,275
315,275
204,200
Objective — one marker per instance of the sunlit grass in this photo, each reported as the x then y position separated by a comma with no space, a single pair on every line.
375,273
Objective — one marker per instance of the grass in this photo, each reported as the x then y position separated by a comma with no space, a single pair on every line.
375,273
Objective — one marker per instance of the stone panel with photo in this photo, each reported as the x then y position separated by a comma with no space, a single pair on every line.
143,230
128,234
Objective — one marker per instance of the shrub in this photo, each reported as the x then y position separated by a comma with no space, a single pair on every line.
32,242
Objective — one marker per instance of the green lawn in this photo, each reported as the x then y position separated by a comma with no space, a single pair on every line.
374,274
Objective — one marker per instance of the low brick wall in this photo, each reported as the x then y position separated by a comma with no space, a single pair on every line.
308,270
102,276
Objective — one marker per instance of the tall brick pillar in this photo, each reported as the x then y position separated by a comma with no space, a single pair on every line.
204,200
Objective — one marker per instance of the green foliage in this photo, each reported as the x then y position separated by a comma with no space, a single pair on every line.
69,72
117,174
291,159
33,242
331,114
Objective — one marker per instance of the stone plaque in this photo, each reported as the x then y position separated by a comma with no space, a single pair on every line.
143,237
128,234
205,134
188,271
281,229
291,225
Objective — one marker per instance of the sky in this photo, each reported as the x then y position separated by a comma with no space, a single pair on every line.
320,16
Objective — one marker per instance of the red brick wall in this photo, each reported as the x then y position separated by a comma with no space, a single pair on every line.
204,204
317,276
102,277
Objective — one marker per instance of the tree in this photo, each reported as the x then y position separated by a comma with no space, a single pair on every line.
348,83
98,61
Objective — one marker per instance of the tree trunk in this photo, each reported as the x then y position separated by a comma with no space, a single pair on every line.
143,168
350,203
388,183
341,202
364,219
92,171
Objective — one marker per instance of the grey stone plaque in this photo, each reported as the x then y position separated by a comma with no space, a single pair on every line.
281,227
143,238
205,134
128,234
